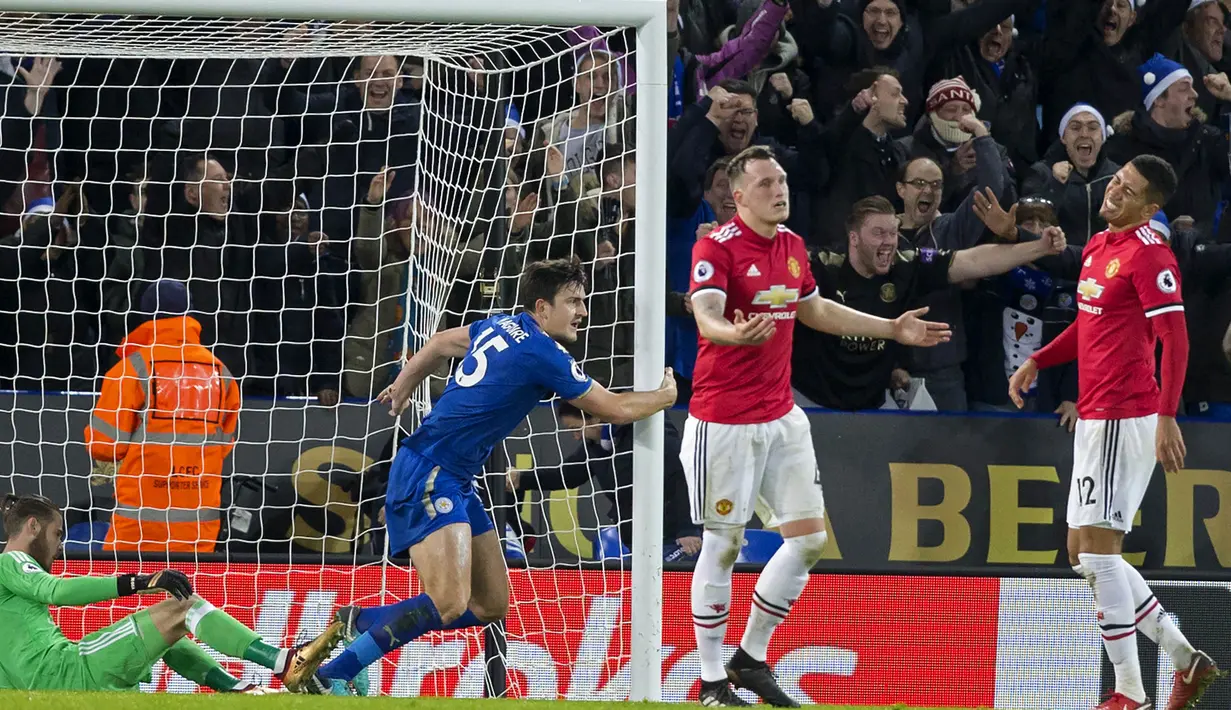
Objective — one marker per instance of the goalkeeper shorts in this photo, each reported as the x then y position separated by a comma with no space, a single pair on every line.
117,657
434,499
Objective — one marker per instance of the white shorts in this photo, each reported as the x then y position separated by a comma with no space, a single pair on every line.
1113,461
735,470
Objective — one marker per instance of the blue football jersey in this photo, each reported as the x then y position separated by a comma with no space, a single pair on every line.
511,367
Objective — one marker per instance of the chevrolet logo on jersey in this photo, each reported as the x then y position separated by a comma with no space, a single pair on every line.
776,296
1090,289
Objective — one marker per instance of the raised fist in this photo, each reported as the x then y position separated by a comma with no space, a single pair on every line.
782,84
1061,171
801,111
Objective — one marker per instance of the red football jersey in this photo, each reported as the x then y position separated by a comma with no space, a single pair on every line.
1126,279
742,384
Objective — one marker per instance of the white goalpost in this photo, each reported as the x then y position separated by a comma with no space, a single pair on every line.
457,190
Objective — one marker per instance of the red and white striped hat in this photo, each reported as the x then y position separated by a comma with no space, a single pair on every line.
955,89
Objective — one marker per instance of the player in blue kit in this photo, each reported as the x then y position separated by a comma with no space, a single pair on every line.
509,364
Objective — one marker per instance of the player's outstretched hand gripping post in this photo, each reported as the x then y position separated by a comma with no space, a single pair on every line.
668,387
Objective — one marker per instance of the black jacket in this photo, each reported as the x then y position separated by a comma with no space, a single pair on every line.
1197,153
229,109
1079,66
701,22
924,144
838,46
1009,98
868,165
359,144
835,46
216,258
693,145
1077,200
1215,111
1205,270
49,321
131,97
298,323
953,231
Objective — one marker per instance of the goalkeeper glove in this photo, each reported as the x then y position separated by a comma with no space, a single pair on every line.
173,582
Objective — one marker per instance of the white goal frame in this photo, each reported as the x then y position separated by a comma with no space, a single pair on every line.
649,18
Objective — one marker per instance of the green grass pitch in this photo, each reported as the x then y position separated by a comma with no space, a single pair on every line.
17,700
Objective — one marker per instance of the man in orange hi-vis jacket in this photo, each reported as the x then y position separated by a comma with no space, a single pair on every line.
167,416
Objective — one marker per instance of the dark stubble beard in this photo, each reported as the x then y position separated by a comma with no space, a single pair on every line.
43,551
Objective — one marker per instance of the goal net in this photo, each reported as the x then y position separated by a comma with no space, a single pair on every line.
330,194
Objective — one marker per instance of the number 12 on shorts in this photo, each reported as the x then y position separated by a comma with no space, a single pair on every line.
1085,490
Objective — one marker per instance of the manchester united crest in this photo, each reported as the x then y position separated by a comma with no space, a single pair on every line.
723,506
889,293
1113,268
792,265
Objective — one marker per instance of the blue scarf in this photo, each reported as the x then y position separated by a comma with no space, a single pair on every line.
675,93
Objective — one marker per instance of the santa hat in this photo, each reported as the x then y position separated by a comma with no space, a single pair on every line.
41,205
1157,75
512,119
1078,108
955,89
1160,225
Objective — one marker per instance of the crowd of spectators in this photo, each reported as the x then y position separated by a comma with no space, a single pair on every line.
321,211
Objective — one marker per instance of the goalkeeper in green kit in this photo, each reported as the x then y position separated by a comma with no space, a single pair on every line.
35,655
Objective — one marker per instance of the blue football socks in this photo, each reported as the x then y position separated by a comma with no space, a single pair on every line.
387,628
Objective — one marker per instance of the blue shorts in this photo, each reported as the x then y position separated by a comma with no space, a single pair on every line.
424,498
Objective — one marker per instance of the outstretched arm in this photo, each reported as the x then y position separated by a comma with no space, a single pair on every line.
827,316
439,349
22,576
741,54
709,308
627,407
1058,352
991,259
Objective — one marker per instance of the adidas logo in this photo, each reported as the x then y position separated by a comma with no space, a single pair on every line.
753,270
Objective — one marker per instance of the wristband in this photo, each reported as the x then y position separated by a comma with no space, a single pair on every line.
126,584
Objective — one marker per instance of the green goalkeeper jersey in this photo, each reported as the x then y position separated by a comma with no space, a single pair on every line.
29,634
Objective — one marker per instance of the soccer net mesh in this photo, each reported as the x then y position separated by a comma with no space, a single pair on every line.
331,194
